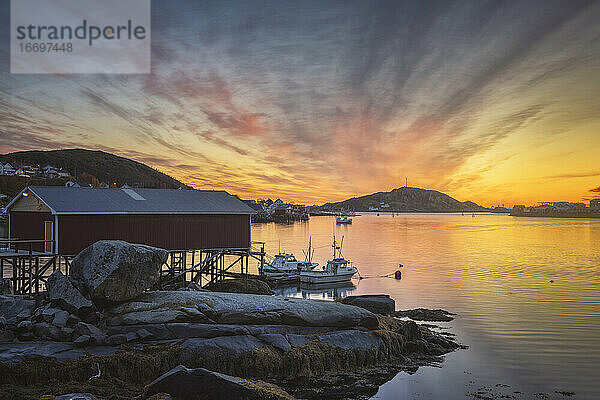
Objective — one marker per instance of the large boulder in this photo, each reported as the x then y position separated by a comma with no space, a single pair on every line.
376,303
114,270
63,294
185,383
238,309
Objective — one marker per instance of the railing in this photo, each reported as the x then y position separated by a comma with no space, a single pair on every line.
19,246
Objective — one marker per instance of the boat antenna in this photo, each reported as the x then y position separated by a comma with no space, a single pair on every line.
341,244
279,246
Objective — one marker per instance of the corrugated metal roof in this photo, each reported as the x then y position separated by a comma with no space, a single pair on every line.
64,200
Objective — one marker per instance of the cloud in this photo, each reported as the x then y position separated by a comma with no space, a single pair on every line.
595,190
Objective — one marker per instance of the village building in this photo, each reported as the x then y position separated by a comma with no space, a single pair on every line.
71,218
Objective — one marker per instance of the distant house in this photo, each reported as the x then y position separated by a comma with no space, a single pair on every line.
103,185
72,184
74,218
6,169
595,203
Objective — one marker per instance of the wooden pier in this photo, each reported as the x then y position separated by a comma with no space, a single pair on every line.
25,268
28,270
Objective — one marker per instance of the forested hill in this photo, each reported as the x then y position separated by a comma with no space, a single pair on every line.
406,199
86,165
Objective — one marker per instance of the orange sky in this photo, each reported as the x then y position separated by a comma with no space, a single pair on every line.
496,103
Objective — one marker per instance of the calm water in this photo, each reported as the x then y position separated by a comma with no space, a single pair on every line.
494,271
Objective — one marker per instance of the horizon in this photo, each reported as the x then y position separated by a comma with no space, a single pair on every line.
495,103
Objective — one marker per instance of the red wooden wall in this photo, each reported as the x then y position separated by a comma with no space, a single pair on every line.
26,225
171,232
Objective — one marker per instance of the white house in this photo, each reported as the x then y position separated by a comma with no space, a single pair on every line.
72,184
6,169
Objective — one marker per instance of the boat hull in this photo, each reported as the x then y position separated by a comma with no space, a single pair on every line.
317,278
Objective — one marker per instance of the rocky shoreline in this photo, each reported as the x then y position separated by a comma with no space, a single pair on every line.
94,332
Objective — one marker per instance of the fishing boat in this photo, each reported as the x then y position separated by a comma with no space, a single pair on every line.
343,220
286,265
338,269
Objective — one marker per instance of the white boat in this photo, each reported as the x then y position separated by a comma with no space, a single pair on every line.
337,269
286,264
343,220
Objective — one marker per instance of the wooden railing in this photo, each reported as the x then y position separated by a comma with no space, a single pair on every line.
23,246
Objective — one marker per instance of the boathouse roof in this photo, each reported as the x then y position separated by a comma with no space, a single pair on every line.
70,200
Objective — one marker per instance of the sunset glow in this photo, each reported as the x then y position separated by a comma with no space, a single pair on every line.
498,103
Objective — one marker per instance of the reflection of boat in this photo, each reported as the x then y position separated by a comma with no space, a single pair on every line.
330,291
338,269
343,220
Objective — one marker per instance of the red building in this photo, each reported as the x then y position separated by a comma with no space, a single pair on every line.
74,218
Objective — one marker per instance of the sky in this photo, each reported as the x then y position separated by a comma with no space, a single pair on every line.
496,102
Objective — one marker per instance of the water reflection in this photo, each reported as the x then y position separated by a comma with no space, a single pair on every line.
495,272
321,291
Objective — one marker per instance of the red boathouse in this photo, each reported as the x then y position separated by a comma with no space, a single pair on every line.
70,219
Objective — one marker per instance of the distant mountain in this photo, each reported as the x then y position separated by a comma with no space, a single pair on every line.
85,165
406,199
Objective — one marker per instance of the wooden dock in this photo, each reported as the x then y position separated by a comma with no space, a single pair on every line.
28,270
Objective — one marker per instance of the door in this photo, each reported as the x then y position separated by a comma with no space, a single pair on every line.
48,235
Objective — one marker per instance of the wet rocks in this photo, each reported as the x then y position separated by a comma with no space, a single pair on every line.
423,314
185,383
5,286
62,293
376,303
114,271
241,285
13,306
240,309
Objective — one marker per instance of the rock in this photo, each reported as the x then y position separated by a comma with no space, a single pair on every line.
6,335
143,334
240,309
3,323
26,336
298,340
60,318
12,305
161,315
410,330
23,315
376,303
240,285
276,340
5,286
97,336
193,286
47,331
131,336
115,340
25,326
63,294
113,270
76,396
72,320
47,315
82,341
184,383
352,339
423,314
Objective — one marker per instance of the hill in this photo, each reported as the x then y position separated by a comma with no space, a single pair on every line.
85,165
406,199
